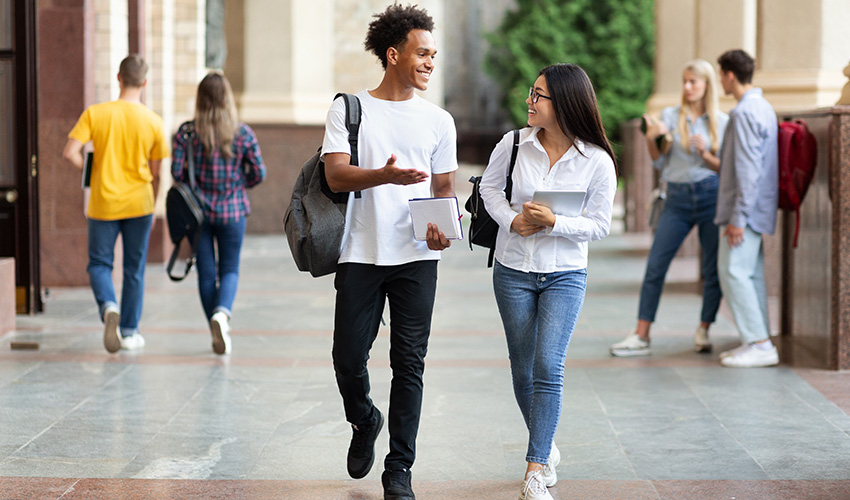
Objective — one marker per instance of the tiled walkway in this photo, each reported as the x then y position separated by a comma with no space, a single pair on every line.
176,421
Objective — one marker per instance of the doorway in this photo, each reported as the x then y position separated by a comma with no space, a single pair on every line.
18,161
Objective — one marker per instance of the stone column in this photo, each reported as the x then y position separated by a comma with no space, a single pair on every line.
65,88
111,45
840,273
175,53
287,61
159,96
296,54
801,68
136,26
675,44
692,29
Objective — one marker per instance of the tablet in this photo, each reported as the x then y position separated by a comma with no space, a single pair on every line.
568,203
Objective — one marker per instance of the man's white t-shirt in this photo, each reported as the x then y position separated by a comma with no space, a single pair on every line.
378,227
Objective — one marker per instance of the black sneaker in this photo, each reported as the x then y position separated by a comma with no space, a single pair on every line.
361,451
397,485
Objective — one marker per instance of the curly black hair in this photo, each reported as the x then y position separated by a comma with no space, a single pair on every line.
390,28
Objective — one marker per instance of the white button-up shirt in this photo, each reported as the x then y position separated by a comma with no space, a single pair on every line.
564,247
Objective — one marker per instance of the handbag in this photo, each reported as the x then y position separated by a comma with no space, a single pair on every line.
183,212
656,206
483,230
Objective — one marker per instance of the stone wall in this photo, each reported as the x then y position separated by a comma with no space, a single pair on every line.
284,148
816,274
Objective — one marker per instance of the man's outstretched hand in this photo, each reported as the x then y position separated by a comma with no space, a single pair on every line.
403,176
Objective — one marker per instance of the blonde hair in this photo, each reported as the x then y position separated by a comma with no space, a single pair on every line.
702,69
215,114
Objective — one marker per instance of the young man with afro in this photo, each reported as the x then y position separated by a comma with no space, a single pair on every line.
406,149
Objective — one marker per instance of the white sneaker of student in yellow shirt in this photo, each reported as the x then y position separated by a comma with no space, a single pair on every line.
132,342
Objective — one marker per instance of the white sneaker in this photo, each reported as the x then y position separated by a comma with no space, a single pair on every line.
631,346
111,336
752,357
534,488
220,333
550,475
132,342
701,343
732,352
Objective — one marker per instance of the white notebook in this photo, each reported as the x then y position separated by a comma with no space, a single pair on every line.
443,212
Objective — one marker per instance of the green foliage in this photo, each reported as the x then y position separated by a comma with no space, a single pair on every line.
613,40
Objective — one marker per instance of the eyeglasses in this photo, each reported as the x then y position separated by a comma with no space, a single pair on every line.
535,95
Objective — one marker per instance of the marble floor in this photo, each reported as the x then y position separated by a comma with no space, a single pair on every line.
176,421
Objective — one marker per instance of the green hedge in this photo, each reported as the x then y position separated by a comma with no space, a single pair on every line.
613,40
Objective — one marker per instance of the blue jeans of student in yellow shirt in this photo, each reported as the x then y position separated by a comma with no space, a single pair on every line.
102,237
539,312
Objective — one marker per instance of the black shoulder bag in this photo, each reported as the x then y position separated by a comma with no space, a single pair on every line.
183,211
482,228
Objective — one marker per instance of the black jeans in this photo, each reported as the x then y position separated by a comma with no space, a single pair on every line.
362,290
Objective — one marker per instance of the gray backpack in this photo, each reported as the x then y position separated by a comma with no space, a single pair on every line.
315,220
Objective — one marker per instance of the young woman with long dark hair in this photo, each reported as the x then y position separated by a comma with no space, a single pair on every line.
541,258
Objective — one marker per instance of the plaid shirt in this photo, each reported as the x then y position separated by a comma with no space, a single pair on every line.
221,182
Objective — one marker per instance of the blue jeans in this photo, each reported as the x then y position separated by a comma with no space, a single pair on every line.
742,277
218,278
687,205
539,312
134,235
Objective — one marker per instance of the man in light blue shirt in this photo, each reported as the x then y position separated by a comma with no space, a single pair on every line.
746,208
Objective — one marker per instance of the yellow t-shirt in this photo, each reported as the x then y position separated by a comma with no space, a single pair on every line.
125,136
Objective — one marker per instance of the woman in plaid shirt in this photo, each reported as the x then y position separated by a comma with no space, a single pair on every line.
227,161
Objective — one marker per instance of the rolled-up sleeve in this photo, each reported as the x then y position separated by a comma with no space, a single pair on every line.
748,166
595,223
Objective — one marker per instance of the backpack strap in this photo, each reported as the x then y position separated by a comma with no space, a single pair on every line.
188,140
352,123
509,187
190,261
189,137
509,182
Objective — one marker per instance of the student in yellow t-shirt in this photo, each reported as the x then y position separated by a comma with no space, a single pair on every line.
129,144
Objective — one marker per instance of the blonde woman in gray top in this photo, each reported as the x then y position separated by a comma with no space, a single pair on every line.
689,168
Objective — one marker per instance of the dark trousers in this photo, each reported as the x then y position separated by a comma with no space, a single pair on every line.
362,290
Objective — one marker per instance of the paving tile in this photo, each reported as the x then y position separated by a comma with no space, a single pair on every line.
176,421
753,490
20,488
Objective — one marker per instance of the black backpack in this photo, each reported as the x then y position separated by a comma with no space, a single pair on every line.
315,219
184,212
482,228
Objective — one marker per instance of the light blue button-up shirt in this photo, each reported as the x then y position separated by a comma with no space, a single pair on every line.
749,166
684,164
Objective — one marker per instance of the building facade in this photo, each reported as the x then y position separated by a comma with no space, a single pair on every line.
286,59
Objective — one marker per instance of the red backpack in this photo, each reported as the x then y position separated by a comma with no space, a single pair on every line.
798,156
